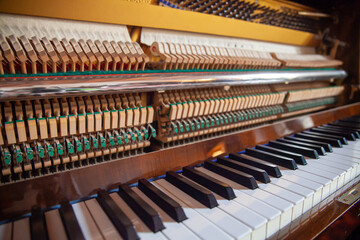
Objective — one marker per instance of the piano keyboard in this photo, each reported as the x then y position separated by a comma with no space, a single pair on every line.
247,195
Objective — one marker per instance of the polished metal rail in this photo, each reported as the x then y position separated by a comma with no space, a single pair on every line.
12,87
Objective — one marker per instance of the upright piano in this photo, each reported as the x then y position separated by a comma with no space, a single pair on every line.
177,119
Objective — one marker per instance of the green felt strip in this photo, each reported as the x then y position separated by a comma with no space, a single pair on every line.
88,73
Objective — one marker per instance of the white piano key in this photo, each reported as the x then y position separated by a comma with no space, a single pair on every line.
353,145
86,222
331,176
338,172
285,206
199,224
352,149
246,216
273,215
346,152
356,144
221,219
6,231
143,231
325,192
350,169
350,158
106,227
338,157
173,230
346,158
342,158
327,166
21,229
294,198
297,189
270,201
54,225
253,220
343,169
316,187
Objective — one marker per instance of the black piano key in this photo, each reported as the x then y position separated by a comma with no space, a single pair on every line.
342,139
325,145
350,122
271,169
308,152
145,212
319,149
37,224
299,159
71,225
331,141
339,129
344,125
120,221
237,176
166,203
355,118
272,158
348,136
211,183
197,192
259,174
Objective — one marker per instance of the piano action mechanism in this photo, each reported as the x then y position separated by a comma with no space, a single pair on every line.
93,101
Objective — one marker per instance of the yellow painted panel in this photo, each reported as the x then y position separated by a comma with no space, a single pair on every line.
146,15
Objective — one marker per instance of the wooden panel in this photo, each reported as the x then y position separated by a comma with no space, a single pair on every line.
344,226
18,197
146,15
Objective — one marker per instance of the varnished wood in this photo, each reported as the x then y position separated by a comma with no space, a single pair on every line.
344,226
17,198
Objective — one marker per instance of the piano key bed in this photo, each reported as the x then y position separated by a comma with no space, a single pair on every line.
253,194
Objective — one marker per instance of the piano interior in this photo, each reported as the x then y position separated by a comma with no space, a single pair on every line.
178,119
